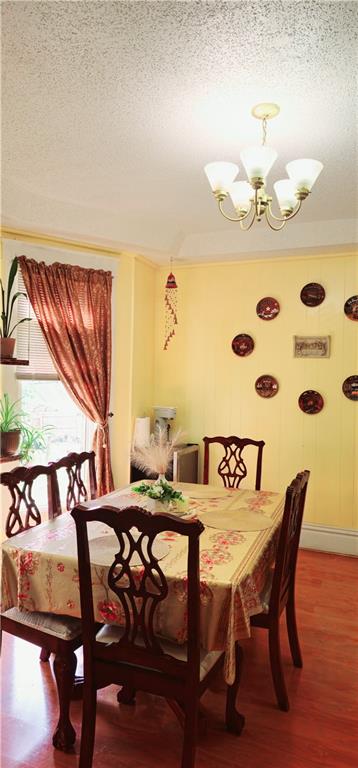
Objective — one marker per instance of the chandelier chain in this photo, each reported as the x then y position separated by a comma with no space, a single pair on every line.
264,130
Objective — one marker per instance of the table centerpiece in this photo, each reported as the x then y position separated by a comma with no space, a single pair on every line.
155,458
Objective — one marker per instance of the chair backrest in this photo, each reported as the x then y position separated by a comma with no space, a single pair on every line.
23,512
286,557
75,466
140,590
232,468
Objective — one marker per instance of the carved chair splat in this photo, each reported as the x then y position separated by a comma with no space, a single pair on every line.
232,468
133,655
24,512
74,464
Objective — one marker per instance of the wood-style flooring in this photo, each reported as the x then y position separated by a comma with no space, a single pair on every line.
319,731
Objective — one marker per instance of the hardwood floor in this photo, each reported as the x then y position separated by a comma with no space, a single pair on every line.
319,731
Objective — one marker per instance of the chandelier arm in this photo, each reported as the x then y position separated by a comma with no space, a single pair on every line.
271,225
248,226
231,218
285,218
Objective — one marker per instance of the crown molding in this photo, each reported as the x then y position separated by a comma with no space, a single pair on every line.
39,238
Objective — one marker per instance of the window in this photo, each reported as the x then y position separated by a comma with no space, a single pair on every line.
43,397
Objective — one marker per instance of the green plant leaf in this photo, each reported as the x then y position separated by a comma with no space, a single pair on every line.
16,296
23,320
10,283
3,315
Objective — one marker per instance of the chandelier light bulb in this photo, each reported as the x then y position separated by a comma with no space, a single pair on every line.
258,161
304,173
285,192
221,175
240,193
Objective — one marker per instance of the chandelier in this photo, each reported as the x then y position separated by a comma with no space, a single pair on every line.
250,199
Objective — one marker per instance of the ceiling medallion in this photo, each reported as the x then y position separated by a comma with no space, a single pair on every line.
250,199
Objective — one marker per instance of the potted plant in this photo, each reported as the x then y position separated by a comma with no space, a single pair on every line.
8,299
18,437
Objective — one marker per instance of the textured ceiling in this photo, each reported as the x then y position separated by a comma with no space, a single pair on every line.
111,110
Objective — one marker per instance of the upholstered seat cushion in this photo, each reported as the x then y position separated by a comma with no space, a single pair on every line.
63,627
111,633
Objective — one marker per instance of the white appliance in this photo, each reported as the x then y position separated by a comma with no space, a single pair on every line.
163,415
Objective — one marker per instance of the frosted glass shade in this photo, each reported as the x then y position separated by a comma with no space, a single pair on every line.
221,175
304,172
258,161
285,193
240,193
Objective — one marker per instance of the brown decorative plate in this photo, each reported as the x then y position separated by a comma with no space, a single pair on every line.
266,386
267,308
312,294
351,308
242,344
350,388
310,401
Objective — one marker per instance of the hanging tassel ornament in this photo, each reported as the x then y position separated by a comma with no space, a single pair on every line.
170,304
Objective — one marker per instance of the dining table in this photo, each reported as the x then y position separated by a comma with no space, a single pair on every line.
237,550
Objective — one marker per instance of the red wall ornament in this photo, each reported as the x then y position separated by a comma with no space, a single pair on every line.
170,306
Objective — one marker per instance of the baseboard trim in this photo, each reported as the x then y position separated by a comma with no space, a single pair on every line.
343,541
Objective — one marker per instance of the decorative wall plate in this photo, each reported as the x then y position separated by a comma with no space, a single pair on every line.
267,308
266,386
351,308
350,388
310,401
242,344
312,294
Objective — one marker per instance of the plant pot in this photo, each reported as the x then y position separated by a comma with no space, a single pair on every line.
7,346
10,443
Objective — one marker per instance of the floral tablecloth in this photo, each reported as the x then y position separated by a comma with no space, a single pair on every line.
40,570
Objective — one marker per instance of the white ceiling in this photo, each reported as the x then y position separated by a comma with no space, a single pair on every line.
111,110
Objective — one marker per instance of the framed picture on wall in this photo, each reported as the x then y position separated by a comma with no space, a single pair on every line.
311,346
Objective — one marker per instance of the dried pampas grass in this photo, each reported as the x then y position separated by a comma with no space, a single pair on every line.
158,455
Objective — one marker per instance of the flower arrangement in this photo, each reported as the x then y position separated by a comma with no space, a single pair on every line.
158,454
161,490
163,497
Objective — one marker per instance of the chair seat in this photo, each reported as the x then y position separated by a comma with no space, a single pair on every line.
63,627
111,633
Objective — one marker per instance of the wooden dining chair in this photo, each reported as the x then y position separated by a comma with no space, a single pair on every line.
60,635
24,512
133,655
279,592
232,468
76,465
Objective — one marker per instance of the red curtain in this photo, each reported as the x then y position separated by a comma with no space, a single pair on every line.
73,308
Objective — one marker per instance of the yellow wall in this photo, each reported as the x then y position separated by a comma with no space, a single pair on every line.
133,364
213,389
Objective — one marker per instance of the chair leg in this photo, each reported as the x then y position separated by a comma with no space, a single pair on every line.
88,724
292,632
276,667
64,668
45,654
190,733
234,720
